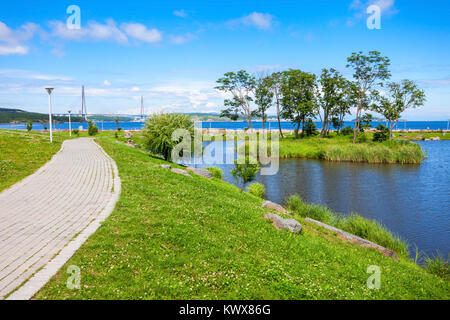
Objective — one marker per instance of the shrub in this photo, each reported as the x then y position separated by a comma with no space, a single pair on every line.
257,189
310,128
76,132
347,131
29,126
362,137
216,172
245,171
382,134
92,128
158,132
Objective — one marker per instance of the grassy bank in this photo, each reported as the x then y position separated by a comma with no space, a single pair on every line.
173,237
22,153
341,148
354,224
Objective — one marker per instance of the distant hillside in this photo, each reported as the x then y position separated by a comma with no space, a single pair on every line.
17,115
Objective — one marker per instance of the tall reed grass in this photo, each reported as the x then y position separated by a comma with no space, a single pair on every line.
355,224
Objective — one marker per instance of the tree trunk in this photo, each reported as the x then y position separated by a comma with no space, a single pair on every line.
296,130
324,126
303,127
356,129
263,117
278,114
390,129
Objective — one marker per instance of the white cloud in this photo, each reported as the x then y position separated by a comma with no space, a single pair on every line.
180,13
141,32
262,21
94,31
12,41
8,49
106,83
180,39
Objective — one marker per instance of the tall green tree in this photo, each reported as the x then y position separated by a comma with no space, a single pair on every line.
158,132
241,86
331,97
399,97
263,98
370,71
298,91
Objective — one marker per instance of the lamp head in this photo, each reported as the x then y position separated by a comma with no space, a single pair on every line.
49,89
69,111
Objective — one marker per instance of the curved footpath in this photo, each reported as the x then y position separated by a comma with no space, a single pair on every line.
46,217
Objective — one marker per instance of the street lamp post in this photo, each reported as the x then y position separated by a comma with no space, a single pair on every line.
49,91
70,124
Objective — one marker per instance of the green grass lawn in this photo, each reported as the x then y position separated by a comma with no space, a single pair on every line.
173,237
22,153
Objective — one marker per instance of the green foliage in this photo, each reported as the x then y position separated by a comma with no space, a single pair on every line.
92,128
438,266
382,133
263,98
29,126
399,98
365,122
240,85
370,70
246,172
310,128
362,137
76,132
159,129
257,189
347,131
216,172
298,101
354,224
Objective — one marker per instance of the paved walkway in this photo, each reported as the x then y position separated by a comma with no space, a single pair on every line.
46,217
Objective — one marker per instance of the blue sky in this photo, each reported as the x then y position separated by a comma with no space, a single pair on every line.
172,52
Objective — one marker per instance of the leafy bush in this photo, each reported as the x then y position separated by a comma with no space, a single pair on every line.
29,126
245,171
347,131
216,172
310,128
362,138
92,128
257,189
76,132
158,132
382,134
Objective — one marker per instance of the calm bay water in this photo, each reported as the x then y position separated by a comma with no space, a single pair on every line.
413,201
